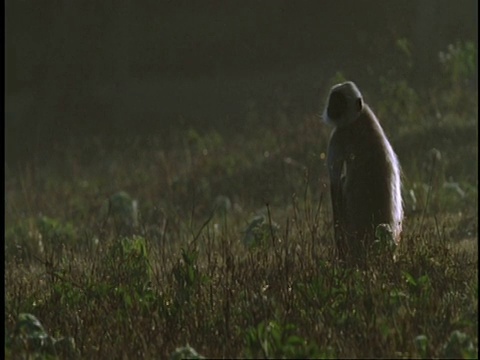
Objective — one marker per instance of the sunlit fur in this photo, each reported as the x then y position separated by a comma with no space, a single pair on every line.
364,171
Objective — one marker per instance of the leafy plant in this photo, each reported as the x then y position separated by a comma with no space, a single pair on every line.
459,62
272,340
29,338
459,346
128,261
122,210
259,231
185,352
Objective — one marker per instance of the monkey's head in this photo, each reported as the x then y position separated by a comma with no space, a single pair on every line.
345,102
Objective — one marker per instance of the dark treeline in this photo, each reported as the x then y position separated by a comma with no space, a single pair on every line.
105,68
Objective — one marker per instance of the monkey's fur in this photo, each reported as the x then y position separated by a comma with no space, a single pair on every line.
364,173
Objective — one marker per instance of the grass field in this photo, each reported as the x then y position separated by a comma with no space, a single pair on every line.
225,244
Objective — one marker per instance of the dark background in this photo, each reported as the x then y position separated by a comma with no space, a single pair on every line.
114,69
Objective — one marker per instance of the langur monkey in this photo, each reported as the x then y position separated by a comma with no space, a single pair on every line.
364,172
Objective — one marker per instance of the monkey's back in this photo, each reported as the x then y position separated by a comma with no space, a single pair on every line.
368,178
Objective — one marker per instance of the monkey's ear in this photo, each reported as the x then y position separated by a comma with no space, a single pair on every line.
359,104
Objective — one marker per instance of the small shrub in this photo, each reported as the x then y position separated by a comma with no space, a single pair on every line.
29,338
